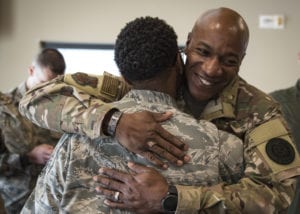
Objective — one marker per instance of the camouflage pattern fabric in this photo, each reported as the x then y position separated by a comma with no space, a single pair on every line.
267,186
68,108
18,136
268,182
2,167
289,100
66,184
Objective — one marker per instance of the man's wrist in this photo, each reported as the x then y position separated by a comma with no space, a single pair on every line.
170,201
113,122
106,119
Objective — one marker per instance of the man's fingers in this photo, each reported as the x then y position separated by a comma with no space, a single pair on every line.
109,183
137,168
116,205
161,117
47,155
110,194
151,157
169,148
115,174
171,138
163,153
50,147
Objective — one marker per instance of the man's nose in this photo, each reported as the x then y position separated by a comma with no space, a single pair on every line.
212,67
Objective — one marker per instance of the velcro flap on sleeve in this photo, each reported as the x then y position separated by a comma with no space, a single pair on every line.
266,131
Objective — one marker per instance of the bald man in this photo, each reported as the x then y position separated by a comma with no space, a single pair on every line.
211,90
214,91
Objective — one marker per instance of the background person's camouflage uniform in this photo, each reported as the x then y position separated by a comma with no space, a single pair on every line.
240,109
18,137
289,100
66,183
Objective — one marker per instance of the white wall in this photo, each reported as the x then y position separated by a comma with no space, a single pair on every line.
271,60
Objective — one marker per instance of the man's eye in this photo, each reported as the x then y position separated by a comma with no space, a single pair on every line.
231,62
202,51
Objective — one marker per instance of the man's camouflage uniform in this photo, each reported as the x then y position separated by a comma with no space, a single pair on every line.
271,161
18,137
66,184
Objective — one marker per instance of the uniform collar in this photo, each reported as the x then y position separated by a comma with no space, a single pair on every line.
224,104
22,89
17,93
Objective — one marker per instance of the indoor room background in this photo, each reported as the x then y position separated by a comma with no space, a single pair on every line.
272,60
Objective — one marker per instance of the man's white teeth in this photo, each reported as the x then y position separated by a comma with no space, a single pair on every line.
205,82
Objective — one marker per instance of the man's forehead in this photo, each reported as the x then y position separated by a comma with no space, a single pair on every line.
217,30
221,30
220,24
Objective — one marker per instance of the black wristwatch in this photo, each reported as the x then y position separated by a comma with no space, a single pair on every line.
169,202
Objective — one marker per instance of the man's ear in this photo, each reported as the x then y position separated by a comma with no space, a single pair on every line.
188,40
31,70
242,58
179,64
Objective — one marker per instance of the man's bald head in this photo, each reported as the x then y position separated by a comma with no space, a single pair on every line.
224,20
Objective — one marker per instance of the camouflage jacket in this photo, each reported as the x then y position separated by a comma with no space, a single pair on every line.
66,184
252,115
270,159
18,136
289,100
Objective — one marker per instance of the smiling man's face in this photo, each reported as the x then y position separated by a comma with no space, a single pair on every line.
215,50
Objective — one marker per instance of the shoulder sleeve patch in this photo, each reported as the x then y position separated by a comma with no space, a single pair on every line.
84,79
85,82
110,85
274,144
113,87
106,87
280,151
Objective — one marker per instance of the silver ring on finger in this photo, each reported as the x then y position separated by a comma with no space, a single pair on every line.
116,196
151,143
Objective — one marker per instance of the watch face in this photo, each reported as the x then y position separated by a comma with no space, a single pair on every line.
170,203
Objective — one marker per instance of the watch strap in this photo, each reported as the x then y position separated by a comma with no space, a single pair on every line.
113,122
170,201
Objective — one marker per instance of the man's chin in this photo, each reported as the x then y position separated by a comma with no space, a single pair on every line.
202,97
202,94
